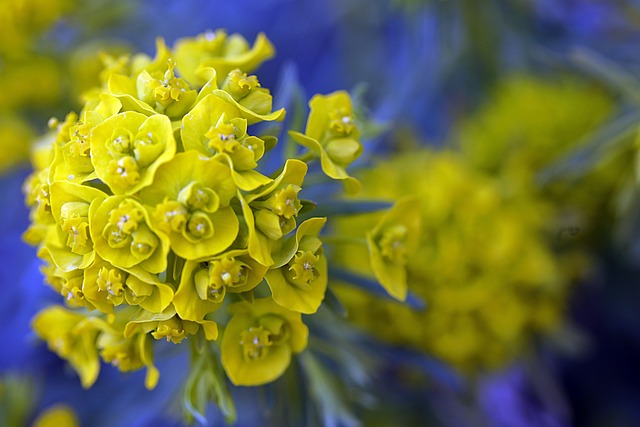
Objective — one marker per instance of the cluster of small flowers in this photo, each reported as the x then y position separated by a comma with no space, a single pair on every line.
29,76
482,264
154,220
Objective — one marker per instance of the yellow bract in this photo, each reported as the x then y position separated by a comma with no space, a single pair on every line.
332,136
298,281
259,340
221,52
190,197
121,234
72,337
204,284
128,148
393,239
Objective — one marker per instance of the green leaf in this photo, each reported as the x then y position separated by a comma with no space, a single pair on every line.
334,303
206,382
373,287
326,394
610,138
350,207
608,72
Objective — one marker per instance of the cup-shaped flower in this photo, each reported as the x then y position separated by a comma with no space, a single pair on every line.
168,325
121,235
72,336
66,283
254,102
204,284
128,148
190,196
393,239
216,128
259,340
331,116
106,286
38,199
71,246
221,52
270,212
72,150
154,91
300,283
332,135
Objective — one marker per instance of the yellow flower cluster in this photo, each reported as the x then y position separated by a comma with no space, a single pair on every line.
154,221
482,264
532,125
530,122
28,79
23,20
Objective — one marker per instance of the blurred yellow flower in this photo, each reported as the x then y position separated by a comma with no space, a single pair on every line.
57,416
482,265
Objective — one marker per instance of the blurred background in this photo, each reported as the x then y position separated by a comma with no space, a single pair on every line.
513,121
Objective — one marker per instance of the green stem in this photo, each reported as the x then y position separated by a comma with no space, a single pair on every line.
305,157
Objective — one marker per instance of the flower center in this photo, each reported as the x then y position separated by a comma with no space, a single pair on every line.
217,275
392,244
112,281
125,172
303,266
285,202
341,122
171,329
255,341
75,223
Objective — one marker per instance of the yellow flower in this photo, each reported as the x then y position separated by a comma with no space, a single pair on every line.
153,220
191,197
107,286
254,102
128,353
69,284
57,416
298,280
71,245
169,326
128,148
72,150
333,136
16,138
121,235
150,92
215,128
393,239
259,340
270,212
72,336
221,52
38,199
204,284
